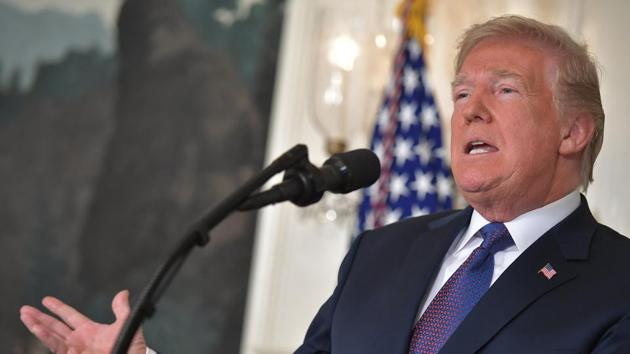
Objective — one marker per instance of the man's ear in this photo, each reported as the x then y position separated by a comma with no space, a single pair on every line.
577,135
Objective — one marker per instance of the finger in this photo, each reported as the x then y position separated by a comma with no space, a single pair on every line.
120,305
49,339
68,314
26,309
31,316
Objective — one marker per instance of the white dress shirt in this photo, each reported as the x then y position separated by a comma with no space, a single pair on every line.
525,230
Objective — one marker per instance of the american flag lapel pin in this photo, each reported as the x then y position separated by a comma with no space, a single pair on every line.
548,271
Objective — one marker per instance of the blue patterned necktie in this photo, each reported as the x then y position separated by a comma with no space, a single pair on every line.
460,293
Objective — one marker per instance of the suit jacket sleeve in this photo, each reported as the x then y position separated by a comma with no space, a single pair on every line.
317,340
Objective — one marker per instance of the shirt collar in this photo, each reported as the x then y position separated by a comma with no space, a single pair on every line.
527,228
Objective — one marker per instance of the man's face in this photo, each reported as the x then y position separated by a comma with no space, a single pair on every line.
505,127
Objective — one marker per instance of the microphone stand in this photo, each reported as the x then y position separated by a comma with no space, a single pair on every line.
197,235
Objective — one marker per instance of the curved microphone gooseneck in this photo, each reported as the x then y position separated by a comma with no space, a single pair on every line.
303,184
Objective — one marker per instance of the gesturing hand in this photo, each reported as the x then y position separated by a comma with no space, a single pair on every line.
77,334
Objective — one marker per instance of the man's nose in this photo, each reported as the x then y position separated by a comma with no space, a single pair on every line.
475,109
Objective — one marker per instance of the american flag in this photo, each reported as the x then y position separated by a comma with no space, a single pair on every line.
415,178
548,271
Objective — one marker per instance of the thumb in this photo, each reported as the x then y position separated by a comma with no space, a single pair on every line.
120,305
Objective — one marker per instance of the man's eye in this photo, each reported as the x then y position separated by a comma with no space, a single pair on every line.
507,90
460,95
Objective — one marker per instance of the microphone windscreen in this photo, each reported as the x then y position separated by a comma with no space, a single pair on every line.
359,169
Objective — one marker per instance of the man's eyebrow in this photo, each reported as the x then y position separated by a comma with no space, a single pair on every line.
499,73
503,73
459,80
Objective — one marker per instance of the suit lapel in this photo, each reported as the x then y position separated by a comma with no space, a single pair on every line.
415,277
521,284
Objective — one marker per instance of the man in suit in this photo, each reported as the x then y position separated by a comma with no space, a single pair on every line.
524,269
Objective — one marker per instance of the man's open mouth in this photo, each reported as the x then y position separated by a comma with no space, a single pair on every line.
479,147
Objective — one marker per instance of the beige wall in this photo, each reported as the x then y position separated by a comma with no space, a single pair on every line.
606,28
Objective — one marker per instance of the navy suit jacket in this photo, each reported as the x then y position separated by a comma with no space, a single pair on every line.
584,308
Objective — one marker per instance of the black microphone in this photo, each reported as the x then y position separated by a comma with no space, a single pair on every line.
305,184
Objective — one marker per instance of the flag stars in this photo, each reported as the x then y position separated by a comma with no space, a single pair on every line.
429,117
407,115
424,152
398,187
403,150
411,78
422,185
416,174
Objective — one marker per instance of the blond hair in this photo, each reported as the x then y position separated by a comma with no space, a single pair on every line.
577,85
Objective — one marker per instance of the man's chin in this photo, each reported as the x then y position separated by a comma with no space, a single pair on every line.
473,184
475,190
